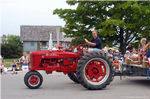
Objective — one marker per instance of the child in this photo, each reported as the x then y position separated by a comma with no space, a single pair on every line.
14,66
116,63
141,50
134,53
110,54
127,57
134,57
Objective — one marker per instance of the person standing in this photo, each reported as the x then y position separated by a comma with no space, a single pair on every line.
141,51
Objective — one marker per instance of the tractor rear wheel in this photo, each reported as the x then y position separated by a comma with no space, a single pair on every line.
73,77
33,79
95,71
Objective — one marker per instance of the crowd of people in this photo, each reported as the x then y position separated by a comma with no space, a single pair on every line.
16,64
138,56
132,55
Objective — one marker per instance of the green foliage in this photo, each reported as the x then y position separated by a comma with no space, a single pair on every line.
77,41
8,62
124,22
11,47
11,39
135,45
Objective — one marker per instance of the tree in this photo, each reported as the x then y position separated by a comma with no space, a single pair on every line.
78,40
129,21
125,21
11,39
11,46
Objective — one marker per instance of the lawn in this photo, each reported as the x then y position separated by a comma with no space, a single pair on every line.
8,62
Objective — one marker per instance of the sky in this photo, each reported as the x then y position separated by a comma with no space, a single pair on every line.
14,13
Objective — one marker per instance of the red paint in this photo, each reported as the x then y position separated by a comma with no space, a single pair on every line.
34,80
57,60
95,71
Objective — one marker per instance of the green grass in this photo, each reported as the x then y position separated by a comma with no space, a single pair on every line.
8,62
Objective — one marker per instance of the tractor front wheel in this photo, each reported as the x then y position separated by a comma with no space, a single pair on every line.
33,79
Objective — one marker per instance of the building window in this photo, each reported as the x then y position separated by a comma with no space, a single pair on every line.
32,43
43,43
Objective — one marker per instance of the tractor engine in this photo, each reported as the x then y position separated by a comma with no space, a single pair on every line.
59,61
52,62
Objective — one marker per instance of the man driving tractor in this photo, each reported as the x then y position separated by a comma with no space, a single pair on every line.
95,43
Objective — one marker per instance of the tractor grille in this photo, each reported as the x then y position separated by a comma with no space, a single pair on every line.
31,60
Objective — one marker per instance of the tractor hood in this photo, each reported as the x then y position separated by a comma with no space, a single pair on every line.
54,54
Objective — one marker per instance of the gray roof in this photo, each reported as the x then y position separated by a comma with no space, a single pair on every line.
39,33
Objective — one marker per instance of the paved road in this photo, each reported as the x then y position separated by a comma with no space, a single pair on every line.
59,86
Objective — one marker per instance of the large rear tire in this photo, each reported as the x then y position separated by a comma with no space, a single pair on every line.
95,71
33,79
73,77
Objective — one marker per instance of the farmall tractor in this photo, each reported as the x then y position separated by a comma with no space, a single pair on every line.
94,71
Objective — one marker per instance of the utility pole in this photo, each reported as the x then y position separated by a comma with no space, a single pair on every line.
50,42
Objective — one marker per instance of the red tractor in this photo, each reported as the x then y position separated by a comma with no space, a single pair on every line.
93,71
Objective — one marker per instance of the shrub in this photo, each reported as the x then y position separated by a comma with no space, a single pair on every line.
11,50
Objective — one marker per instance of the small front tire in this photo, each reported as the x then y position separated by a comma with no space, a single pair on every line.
33,79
